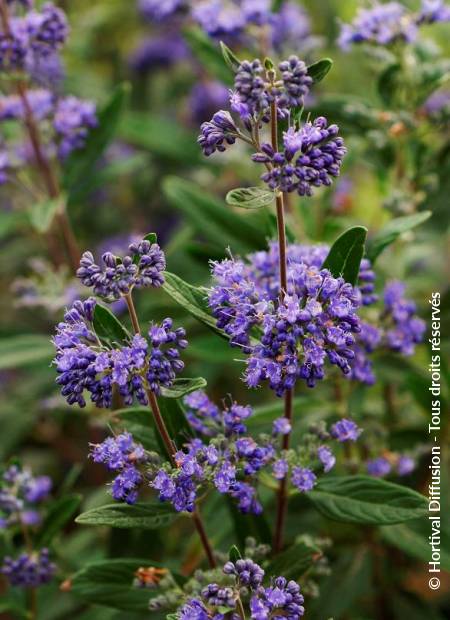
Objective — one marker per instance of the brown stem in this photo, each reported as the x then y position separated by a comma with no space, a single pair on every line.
132,312
169,444
47,173
204,538
282,495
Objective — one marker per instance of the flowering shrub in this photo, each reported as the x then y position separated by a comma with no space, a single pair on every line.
223,418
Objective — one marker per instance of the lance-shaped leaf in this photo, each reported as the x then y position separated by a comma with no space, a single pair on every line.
143,515
138,422
24,350
366,500
234,554
318,70
207,53
108,327
231,60
344,257
80,163
412,539
192,299
179,429
110,583
390,233
250,197
182,387
59,514
42,214
295,561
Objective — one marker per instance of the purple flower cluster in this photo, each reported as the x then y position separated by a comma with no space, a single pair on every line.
72,121
244,299
217,133
316,321
158,52
221,463
159,10
253,92
71,118
281,599
227,19
84,364
345,430
433,11
384,24
33,36
382,466
29,570
20,495
404,328
117,276
122,454
311,156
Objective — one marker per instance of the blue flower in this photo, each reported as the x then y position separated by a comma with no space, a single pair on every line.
303,478
345,430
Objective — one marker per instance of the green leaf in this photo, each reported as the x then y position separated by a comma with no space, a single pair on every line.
412,539
366,500
318,70
350,580
209,55
10,221
231,60
42,214
245,525
250,197
58,514
108,327
212,219
345,255
388,83
160,136
191,299
110,583
295,561
234,554
80,163
143,515
139,422
182,387
24,350
390,233
177,425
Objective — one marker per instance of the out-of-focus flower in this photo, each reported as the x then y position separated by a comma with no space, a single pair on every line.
29,570
20,496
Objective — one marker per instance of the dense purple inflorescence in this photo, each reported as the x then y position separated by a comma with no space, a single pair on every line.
317,320
311,156
84,364
384,24
123,455
281,599
142,267
29,570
